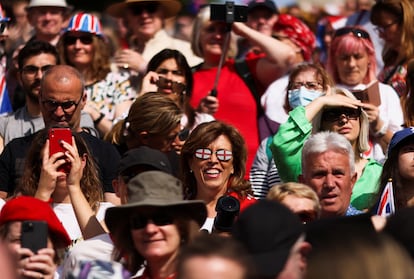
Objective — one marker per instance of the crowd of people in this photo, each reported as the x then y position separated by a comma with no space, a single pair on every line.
223,141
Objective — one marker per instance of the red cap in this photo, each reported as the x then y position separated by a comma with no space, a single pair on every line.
29,208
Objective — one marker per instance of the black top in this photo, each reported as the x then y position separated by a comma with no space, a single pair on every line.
12,161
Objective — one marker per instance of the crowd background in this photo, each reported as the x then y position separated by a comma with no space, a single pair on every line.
275,145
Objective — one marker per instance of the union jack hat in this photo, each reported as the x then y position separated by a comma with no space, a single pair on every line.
83,22
3,17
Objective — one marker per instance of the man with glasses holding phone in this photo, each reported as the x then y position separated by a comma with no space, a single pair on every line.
61,99
145,20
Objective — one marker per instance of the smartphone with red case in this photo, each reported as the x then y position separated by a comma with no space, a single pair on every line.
56,135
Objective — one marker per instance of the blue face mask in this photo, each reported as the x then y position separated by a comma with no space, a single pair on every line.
302,96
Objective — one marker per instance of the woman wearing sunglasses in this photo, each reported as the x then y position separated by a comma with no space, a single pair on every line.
338,111
213,160
110,94
150,229
169,73
352,65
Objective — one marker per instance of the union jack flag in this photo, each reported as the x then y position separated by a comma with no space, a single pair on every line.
5,104
386,206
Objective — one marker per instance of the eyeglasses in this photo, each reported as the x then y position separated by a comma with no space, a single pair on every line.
336,114
67,107
312,85
176,86
222,155
3,27
32,70
359,33
149,8
382,29
159,219
183,134
71,40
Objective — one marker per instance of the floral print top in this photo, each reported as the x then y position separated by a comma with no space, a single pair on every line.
395,76
107,93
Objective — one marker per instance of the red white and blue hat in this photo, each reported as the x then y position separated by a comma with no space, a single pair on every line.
83,22
3,17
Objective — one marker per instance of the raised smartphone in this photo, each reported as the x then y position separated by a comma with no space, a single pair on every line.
56,135
34,235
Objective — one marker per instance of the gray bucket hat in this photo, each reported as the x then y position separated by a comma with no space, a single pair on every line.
155,189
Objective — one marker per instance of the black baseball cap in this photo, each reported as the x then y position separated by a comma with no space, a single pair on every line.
268,231
144,156
269,4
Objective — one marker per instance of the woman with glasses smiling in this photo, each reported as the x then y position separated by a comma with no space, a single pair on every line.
110,93
352,65
213,160
395,24
338,111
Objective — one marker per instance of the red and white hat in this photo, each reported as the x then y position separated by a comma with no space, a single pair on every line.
83,22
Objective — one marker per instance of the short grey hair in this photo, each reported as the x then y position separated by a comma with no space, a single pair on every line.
326,141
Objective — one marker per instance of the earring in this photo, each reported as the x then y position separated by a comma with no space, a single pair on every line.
191,171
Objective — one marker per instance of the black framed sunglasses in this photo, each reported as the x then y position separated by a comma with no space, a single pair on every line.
176,86
336,114
148,7
183,134
158,219
32,70
359,33
71,40
67,106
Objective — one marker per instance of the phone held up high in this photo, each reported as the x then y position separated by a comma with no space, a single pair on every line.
34,235
228,12
56,135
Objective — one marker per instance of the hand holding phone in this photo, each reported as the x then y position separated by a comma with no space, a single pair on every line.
34,235
56,135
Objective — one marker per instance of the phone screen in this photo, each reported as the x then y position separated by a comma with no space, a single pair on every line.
56,135
34,235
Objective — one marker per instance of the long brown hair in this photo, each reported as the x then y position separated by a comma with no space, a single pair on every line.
90,183
202,136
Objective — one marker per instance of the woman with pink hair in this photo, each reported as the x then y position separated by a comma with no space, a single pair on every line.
352,64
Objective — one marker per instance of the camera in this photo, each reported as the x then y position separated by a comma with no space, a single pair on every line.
228,12
227,209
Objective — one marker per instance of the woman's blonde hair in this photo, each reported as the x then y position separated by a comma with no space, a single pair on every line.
279,192
363,144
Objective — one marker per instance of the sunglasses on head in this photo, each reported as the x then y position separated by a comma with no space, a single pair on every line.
158,219
336,114
71,40
176,86
359,33
222,155
148,7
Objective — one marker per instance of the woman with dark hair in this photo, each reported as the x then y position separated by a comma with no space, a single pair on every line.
168,72
213,164
394,20
83,46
